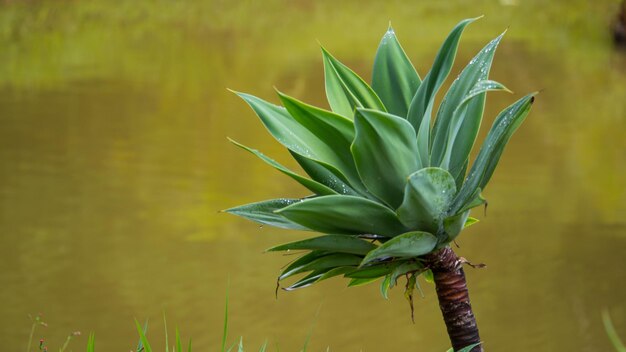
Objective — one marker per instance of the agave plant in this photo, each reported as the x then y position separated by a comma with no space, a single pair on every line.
390,186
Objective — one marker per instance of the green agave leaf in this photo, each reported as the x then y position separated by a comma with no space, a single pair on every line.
336,131
505,124
323,263
421,104
453,225
385,286
475,200
476,70
451,161
428,195
361,282
384,151
470,221
345,90
312,185
333,243
324,175
423,139
300,140
264,213
405,268
408,245
460,177
373,271
344,215
306,281
429,276
318,276
336,272
323,123
511,120
303,260
394,78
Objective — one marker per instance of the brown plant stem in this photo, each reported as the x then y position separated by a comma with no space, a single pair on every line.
454,298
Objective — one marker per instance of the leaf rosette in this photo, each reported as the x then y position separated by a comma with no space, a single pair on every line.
388,173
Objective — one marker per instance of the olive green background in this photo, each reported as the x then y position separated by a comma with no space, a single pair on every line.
114,163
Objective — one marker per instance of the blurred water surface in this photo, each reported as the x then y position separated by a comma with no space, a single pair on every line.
114,162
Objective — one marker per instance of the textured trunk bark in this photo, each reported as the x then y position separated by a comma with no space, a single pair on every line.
454,299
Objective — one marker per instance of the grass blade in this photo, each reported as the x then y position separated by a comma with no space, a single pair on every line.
143,345
179,345
167,342
225,333
91,342
610,331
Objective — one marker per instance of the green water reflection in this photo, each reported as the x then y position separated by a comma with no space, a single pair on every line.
114,163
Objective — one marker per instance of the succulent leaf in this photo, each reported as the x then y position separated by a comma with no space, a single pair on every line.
428,195
300,140
503,128
385,286
345,90
394,78
264,213
326,262
328,176
475,200
335,130
476,70
341,270
302,260
335,243
307,281
470,221
344,215
405,268
421,104
453,225
361,282
373,271
312,185
384,152
456,137
460,174
318,276
408,245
